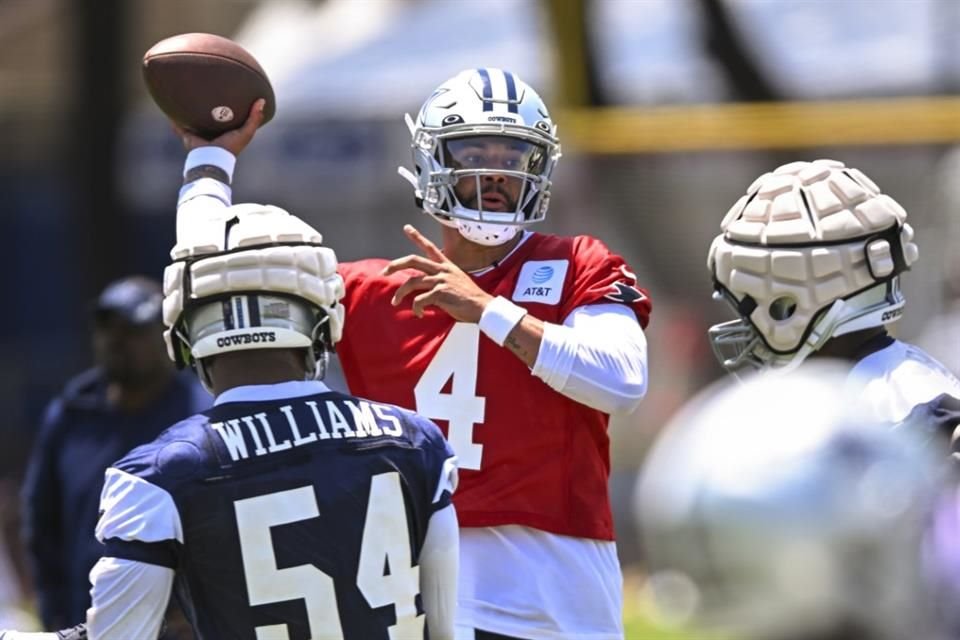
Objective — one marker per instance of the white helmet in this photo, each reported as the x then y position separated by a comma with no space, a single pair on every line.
768,510
484,148
268,284
812,251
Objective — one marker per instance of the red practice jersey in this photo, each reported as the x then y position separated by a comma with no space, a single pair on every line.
528,455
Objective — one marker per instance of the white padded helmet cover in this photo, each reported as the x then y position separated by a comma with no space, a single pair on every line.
284,257
784,241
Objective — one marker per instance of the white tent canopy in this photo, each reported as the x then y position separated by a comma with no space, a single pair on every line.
370,58
374,58
345,71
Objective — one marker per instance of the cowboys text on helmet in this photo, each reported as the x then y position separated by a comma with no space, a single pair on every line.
267,284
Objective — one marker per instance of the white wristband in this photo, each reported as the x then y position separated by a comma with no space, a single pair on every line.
499,318
217,156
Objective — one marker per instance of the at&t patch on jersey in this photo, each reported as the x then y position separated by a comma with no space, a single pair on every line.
541,281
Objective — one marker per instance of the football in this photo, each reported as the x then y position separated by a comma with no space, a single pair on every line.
206,83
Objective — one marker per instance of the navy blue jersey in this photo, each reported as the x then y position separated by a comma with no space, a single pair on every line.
308,512
937,420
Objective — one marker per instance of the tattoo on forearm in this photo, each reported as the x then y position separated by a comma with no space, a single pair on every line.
206,171
514,345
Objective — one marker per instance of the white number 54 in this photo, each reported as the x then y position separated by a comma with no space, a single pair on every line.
385,543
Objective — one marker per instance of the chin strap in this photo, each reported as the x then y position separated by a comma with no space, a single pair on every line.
204,376
819,335
407,175
321,364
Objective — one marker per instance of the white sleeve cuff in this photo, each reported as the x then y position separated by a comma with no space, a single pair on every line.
205,187
217,156
499,318
558,351
598,358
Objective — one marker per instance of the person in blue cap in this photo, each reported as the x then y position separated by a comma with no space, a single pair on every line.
132,393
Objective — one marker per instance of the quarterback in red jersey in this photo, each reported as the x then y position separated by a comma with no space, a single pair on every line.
527,455
518,344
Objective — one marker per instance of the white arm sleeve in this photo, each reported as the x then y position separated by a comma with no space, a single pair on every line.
203,203
439,569
598,357
130,597
120,612
133,509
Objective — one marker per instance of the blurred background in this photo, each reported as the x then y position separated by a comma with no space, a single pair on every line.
667,111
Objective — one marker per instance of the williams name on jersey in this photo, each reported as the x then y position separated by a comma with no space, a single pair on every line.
318,505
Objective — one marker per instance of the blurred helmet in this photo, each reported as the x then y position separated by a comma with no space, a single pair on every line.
812,251
266,283
484,148
769,512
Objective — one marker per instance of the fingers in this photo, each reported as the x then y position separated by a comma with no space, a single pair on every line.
189,139
236,140
424,300
419,263
255,117
432,265
424,243
416,283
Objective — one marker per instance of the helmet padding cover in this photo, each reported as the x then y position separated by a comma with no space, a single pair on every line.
264,250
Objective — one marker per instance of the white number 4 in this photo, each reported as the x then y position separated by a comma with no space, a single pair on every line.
461,408
385,542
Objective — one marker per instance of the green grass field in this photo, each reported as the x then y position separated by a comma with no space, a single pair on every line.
637,628
636,620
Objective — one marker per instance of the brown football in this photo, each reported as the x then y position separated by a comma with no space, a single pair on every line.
206,83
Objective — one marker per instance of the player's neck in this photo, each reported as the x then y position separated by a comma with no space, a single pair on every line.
471,256
255,367
850,346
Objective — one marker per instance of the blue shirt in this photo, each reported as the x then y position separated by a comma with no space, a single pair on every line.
80,436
